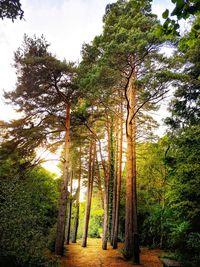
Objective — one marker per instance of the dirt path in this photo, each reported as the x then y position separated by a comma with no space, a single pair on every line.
94,256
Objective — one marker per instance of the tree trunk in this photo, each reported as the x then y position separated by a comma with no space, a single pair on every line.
69,212
119,175
59,244
76,221
115,176
91,170
99,183
105,218
106,193
112,184
131,233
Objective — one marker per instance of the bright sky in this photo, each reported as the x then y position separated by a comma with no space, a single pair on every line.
66,24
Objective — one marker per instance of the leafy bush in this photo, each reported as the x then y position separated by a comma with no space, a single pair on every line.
95,225
27,213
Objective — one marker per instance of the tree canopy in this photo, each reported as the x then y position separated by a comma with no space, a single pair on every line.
11,9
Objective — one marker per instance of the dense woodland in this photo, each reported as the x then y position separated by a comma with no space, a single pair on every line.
138,188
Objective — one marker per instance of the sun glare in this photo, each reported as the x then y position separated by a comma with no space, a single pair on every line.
51,161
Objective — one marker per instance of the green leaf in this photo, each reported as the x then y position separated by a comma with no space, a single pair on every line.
165,14
180,3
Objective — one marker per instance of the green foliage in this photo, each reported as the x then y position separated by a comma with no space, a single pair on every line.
44,86
96,215
155,226
11,9
121,234
152,176
27,213
183,10
95,225
182,195
168,195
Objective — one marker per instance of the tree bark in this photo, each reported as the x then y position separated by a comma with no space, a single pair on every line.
119,175
59,244
106,193
131,233
105,218
112,185
91,170
76,221
115,176
99,183
69,212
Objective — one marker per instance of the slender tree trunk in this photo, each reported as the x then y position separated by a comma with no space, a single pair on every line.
59,244
105,218
106,193
76,221
119,175
112,189
163,199
131,233
99,183
136,257
89,191
115,176
69,212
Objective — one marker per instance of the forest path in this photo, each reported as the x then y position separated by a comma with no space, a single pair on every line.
94,256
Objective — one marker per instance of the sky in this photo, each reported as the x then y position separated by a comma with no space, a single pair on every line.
66,25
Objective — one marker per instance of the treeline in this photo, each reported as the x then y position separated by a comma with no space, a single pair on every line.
99,114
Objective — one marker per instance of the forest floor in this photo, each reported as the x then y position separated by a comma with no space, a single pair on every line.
94,256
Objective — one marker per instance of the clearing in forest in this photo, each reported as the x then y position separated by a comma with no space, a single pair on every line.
94,256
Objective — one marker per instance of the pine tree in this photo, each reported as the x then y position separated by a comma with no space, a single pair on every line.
45,93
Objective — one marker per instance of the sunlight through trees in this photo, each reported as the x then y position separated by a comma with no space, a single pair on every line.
118,181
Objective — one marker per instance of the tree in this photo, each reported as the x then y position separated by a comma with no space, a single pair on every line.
76,220
118,170
91,171
46,94
107,176
11,9
70,202
185,105
114,184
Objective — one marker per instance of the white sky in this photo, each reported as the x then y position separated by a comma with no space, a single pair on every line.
66,24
